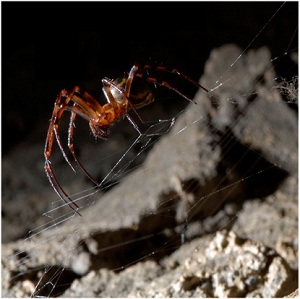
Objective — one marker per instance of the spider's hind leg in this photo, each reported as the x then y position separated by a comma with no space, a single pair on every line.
165,84
173,71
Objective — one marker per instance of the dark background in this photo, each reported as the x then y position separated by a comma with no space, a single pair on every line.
40,56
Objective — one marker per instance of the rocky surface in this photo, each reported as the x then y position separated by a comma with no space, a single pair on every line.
212,212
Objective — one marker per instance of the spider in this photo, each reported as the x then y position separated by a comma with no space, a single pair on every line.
120,99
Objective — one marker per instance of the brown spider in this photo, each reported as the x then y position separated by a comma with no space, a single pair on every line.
120,99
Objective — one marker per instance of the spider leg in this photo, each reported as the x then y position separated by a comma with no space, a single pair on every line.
58,110
57,114
133,123
86,107
53,133
133,73
165,84
174,71
90,108
129,80
58,189
88,103
74,111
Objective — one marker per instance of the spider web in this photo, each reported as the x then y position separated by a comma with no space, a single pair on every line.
167,192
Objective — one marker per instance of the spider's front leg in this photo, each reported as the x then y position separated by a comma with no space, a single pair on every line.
53,133
85,106
76,110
